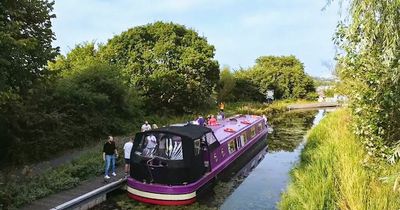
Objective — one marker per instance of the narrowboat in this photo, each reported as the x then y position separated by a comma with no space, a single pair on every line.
169,165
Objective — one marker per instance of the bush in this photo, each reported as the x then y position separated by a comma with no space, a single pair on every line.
16,192
312,96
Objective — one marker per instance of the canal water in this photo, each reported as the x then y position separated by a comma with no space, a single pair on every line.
264,185
260,182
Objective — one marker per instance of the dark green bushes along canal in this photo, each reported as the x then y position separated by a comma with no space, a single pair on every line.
259,189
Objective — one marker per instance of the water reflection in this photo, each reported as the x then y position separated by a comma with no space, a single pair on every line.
259,189
289,129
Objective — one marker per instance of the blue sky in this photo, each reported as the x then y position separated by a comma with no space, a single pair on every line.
240,30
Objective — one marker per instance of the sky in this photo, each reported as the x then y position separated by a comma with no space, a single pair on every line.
240,30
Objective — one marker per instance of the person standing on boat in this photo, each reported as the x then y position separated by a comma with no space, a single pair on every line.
146,126
212,120
221,106
127,155
154,126
109,154
221,114
151,143
265,119
201,120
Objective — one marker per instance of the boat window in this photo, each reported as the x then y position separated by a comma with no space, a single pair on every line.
197,147
243,139
238,142
252,131
161,145
231,146
210,138
259,126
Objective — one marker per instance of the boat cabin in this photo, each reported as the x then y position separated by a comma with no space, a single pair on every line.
174,155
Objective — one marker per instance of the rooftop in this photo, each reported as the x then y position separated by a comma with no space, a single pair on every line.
236,123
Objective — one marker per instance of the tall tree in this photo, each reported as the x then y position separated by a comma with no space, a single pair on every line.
284,74
25,48
226,85
25,42
173,66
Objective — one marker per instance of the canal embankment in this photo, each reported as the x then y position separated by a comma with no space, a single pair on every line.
336,173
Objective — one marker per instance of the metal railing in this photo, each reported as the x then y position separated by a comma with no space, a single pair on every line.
85,198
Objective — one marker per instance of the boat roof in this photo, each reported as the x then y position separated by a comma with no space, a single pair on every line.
190,131
235,123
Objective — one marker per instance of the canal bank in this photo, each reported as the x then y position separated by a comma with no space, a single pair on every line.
272,170
335,172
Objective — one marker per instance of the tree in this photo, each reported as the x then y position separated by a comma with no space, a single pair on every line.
25,43
147,52
369,67
81,56
77,109
226,85
284,74
246,89
96,99
25,48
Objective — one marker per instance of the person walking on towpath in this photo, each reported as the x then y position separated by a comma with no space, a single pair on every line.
127,155
109,154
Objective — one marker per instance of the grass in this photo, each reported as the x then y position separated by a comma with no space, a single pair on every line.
336,173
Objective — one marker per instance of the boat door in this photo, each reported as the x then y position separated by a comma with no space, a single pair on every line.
205,154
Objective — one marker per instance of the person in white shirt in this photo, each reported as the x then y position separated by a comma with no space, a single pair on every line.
146,126
127,155
151,143
265,119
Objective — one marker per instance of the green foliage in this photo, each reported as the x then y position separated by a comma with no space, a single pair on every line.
245,88
25,43
330,92
79,108
369,67
226,85
312,96
334,172
97,99
81,56
284,74
15,193
148,53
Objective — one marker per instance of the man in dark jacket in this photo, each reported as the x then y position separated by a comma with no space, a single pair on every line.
109,154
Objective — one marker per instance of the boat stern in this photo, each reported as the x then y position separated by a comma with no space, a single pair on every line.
160,194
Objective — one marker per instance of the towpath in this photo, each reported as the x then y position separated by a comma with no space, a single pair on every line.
87,186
